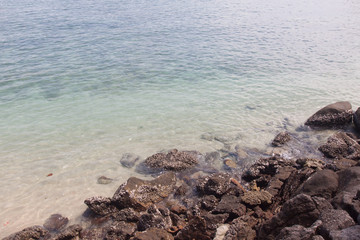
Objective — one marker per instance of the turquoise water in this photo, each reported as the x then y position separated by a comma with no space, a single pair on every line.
83,82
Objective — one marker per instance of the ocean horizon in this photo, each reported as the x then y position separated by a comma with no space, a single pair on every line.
83,83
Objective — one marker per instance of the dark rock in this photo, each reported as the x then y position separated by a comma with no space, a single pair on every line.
100,205
323,183
349,179
341,145
155,218
351,233
214,220
209,202
300,210
34,232
178,209
174,160
357,119
140,194
153,234
281,139
120,231
93,233
240,229
127,215
196,229
70,233
181,190
128,160
331,116
254,198
104,180
216,184
232,205
55,222
334,219
296,232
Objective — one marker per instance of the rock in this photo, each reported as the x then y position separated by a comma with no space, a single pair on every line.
323,183
216,184
296,232
344,163
70,233
140,194
209,202
341,145
154,218
120,231
128,160
232,205
55,222
311,163
254,198
230,164
300,210
153,234
335,115
174,160
351,233
34,232
357,119
127,215
334,219
196,229
239,229
214,220
212,157
281,139
104,180
92,233
349,179
100,205
221,231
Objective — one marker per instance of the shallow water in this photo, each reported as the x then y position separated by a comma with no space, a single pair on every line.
82,83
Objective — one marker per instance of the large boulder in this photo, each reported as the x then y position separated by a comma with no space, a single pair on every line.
351,233
174,160
140,194
341,145
323,183
300,210
335,115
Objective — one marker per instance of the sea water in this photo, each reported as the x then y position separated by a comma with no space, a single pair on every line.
83,82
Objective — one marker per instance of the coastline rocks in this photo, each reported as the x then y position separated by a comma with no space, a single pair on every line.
332,220
254,198
174,160
296,232
155,218
281,139
336,115
341,145
34,232
70,233
323,183
357,119
351,233
55,222
216,184
240,229
140,194
232,205
153,234
100,205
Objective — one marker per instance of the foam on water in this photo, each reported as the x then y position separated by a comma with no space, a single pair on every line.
82,83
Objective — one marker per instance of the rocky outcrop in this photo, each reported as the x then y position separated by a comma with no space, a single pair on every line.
357,119
336,115
174,160
281,139
341,145
140,194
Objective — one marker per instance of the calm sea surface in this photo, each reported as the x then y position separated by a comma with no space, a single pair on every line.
83,82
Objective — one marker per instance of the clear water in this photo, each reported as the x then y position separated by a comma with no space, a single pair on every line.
82,82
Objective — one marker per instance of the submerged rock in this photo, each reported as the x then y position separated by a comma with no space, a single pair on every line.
140,194
55,222
174,160
281,139
357,119
341,145
128,160
104,180
336,115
